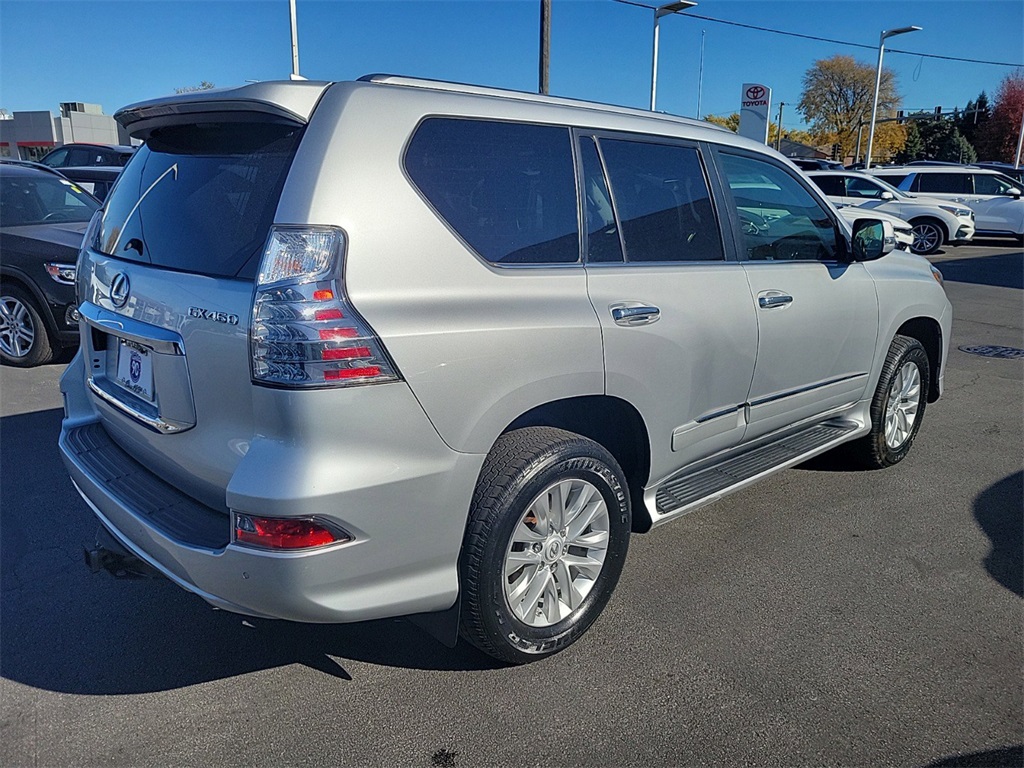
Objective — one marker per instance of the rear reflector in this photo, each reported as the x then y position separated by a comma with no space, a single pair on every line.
285,532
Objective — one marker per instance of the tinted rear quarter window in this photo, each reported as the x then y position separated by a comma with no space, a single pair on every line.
208,196
507,189
830,185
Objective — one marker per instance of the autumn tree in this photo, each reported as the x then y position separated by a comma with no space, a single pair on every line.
974,117
997,139
836,100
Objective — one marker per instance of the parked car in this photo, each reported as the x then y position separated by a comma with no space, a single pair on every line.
1017,174
935,222
96,180
43,217
994,198
399,346
81,155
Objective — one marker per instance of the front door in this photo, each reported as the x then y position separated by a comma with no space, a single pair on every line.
817,316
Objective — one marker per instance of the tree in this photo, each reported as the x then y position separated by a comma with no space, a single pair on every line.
204,85
974,117
837,97
913,148
730,122
997,139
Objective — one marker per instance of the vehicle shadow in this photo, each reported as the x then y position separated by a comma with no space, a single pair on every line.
1005,757
68,630
999,510
1003,270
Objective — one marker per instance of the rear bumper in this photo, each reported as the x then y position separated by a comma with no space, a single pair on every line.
404,497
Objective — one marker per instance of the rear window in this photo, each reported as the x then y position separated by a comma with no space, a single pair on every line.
200,198
507,189
830,185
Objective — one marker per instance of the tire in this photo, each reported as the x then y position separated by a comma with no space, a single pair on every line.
24,340
897,407
929,235
530,589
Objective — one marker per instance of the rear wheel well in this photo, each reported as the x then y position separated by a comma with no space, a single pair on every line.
927,331
613,423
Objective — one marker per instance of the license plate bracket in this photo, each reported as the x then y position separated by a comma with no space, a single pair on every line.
135,369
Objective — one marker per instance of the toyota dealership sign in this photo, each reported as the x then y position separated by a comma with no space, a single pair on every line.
754,106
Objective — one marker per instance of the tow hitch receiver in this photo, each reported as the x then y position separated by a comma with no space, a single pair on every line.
106,554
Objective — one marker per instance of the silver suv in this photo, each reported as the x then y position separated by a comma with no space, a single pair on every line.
395,347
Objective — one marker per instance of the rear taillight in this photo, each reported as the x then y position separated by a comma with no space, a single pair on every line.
304,331
285,532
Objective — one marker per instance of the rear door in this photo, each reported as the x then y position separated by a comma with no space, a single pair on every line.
680,335
817,316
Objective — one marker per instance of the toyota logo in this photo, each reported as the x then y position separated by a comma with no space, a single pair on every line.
755,92
119,289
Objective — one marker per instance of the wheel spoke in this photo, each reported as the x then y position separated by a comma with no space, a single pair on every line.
521,584
564,580
588,566
585,518
552,609
580,504
592,540
542,513
520,558
524,534
529,602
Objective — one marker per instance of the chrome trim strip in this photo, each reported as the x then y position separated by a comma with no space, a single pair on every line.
155,423
801,390
158,339
717,414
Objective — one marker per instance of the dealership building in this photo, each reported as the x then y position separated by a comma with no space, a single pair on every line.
30,135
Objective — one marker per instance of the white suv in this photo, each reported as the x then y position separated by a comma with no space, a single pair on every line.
368,349
935,222
994,198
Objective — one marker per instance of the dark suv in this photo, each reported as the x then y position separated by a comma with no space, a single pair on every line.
84,155
43,217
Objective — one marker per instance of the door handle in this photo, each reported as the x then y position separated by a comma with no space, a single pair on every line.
770,301
640,314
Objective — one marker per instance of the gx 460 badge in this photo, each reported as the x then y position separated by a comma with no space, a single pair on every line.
209,314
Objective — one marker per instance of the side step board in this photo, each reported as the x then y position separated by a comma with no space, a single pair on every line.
690,490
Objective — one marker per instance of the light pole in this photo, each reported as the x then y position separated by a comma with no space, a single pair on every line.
778,136
878,83
663,10
295,43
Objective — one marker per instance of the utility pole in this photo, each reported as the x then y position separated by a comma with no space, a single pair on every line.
545,43
778,133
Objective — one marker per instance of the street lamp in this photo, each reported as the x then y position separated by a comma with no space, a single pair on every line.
878,83
663,10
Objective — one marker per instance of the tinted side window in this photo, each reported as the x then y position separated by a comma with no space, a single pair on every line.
662,199
943,182
79,156
508,189
603,244
893,178
779,219
830,185
56,158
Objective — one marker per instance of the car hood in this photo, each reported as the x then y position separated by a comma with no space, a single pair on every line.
68,234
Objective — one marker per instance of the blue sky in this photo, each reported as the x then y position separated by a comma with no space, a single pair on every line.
114,52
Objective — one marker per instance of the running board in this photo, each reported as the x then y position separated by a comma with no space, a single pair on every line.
690,490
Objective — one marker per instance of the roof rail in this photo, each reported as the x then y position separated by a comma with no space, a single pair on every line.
483,90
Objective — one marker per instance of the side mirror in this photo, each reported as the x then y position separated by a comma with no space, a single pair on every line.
1014,192
872,239
887,195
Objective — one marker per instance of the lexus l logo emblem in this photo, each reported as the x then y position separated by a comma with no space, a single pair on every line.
119,289
755,92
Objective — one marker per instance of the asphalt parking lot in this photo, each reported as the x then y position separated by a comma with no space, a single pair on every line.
824,617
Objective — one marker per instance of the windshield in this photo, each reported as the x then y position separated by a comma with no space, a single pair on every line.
43,200
898,193
200,197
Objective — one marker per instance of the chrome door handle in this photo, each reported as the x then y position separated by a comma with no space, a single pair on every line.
778,300
627,315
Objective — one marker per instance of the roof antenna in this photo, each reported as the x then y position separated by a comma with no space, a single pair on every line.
295,44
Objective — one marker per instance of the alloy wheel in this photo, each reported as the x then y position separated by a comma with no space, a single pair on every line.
17,331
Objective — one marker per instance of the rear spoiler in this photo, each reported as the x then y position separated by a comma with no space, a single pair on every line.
286,101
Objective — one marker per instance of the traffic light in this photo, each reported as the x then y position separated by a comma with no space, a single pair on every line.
835,151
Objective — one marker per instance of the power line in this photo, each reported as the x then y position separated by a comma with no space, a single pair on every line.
827,39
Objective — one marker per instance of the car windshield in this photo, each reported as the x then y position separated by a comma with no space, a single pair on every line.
43,200
898,193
